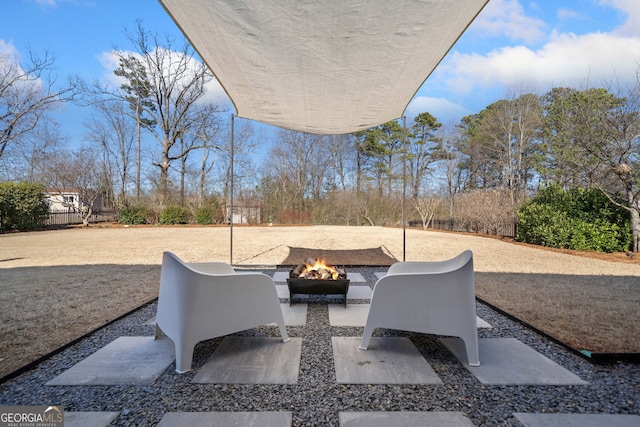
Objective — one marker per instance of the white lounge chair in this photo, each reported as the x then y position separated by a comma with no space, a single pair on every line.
200,301
427,297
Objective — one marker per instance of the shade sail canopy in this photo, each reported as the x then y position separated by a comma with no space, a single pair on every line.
322,66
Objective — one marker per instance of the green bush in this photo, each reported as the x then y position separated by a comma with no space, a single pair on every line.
580,219
599,236
174,215
133,215
204,215
23,206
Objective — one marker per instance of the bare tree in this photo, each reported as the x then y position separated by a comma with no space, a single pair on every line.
342,156
296,170
80,171
512,126
485,210
27,157
449,162
426,208
115,133
28,91
175,81
213,145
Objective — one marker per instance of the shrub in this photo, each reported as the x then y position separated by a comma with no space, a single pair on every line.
23,206
133,215
204,215
174,215
580,219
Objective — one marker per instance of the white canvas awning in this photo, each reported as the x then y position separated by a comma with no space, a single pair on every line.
322,66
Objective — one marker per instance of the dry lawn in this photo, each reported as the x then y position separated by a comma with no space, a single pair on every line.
58,285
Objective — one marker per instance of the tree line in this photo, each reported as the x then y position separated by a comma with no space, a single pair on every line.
156,140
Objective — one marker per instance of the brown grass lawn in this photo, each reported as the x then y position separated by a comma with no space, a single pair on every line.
58,285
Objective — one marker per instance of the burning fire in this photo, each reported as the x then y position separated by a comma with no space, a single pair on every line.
317,269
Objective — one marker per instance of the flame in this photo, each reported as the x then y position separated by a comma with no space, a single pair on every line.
320,264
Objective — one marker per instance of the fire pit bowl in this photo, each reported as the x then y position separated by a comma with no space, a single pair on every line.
314,277
318,287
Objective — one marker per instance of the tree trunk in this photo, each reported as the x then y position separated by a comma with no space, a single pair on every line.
203,174
635,223
139,155
86,214
164,178
183,171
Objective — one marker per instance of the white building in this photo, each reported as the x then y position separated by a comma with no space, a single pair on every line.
70,199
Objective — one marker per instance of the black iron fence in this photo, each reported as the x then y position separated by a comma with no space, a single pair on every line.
68,217
506,230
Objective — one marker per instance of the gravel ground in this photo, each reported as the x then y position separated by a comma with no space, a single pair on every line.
316,399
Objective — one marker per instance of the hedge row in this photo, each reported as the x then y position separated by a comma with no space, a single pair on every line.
134,215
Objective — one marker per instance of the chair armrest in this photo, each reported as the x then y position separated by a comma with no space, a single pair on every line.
211,267
412,267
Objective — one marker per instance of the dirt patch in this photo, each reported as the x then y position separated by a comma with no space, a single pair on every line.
378,257
58,285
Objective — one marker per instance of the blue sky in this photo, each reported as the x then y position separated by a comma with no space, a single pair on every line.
513,45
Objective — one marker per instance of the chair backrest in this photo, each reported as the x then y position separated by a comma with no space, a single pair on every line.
456,263
423,297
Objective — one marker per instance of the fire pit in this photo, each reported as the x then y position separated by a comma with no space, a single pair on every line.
314,277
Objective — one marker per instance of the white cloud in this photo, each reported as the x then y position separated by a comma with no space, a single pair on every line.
110,61
566,59
507,18
8,49
441,108
12,66
52,3
564,13
631,27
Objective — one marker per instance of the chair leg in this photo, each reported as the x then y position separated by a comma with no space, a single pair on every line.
158,333
471,346
366,336
184,357
283,331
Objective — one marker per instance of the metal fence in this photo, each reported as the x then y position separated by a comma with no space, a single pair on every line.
507,230
68,217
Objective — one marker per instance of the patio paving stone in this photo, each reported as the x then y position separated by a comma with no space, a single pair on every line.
507,361
352,315
380,274
215,419
359,292
389,360
252,360
89,419
126,360
294,315
404,419
578,420
356,315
